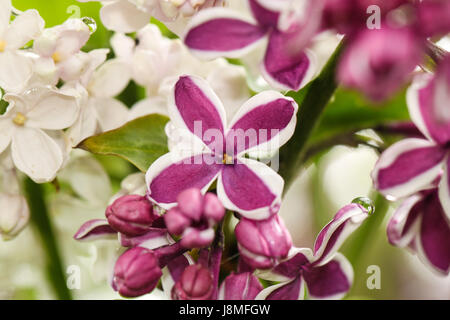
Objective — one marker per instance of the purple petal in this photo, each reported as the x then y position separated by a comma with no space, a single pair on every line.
265,117
293,290
264,16
400,229
444,189
435,234
95,229
331,237
283,67
292,267
242,286
166,178
250,188
219,32
173,272
428,103
407,167
329,281
153,239
196,107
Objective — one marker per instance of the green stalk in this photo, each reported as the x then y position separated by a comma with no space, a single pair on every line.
41,221
312,101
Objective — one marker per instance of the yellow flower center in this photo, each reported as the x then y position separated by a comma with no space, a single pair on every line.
19,119
56,57
2,45
227,159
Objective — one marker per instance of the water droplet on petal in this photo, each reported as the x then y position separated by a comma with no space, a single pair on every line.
90,23
366,203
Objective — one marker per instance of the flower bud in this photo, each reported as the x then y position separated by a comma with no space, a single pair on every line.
240,286
136,272
263,243
14,214
131,215
194,218
196,283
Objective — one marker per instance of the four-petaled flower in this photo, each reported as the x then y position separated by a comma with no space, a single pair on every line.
221,32
327,273
243,185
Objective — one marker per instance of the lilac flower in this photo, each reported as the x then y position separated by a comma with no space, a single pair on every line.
195,218
241,286
195,283
326,273
220,32
243,185
131,215
413,164
374,66
420,224
262,244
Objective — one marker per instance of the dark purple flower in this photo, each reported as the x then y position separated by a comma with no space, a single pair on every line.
263,243
413,164
220,32
195,218
326,273
243,185
136,272
131,215
196,283
421,225
241,286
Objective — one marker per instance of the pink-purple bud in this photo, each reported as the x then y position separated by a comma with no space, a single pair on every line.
263,243
136,272
196,283
131,215
194,218
241,286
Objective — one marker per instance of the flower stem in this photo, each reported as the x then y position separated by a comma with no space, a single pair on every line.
312,101
40,219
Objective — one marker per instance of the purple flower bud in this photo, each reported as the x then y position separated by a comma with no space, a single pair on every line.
241,286
195,284
131,215
263,243
194,218
374,66
136,272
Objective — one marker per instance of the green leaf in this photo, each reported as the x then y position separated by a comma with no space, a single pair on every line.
140,141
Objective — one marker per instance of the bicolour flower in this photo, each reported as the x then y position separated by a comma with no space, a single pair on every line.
243,185
220,32
411,165
421,225
326,273
240,286
15,68
28,126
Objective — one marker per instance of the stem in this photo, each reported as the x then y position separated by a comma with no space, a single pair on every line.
316,98
41,221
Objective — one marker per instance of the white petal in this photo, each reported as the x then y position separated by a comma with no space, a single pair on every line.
122,45
86,124
5,15
17,70
36,154
148,106
110,79
111,113
6,128
123,16
24,28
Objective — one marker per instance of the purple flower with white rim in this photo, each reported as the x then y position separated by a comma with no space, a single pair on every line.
421,225
326,273
220,32
243,185
195,218
262,244
414,164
